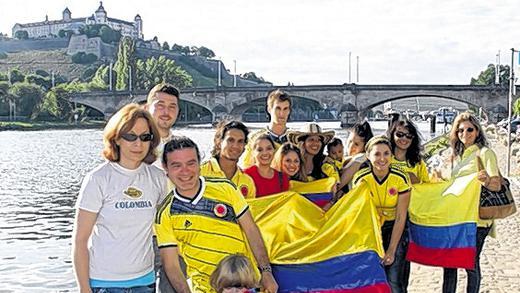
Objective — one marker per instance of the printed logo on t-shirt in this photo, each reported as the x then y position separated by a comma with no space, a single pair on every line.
244,190
220,210
392,191
133,192
187,224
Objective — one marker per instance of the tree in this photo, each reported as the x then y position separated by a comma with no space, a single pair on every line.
21,35
16,75
27,97
252,76
152,71
487,77
108,35
166,46
125,60
101,78
205,52
44,82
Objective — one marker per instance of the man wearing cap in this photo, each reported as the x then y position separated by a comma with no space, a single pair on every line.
312,141
278,109
163,103
228,145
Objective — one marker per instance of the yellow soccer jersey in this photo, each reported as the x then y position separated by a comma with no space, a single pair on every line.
331,169
384,193
205,229
419,169
244,182
247,157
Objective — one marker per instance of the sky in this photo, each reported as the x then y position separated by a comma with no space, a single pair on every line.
308,42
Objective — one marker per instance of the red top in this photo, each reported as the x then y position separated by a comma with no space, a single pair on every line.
266,186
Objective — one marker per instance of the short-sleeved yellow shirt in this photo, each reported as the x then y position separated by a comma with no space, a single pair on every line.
384,193
204,228
244,182
420,170
332,169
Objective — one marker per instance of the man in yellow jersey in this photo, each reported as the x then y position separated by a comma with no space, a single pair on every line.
204,220
229,142
278,109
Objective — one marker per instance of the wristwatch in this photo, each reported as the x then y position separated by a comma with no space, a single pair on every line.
265,269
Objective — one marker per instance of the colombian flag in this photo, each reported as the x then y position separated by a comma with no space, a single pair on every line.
443,225
318,191
315,251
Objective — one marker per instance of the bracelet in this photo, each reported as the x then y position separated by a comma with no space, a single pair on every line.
265,269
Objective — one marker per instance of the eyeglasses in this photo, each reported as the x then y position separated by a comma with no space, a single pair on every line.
400,134
133,137
468,130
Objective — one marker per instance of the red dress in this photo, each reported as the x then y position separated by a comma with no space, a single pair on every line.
266,186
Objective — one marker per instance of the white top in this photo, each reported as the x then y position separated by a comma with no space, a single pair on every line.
159,150
120,246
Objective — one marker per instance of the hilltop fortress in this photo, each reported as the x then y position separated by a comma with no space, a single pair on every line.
51,28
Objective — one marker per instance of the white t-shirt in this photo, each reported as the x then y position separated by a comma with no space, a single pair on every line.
120,246
159,150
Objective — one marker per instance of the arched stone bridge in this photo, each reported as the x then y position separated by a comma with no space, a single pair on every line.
235,101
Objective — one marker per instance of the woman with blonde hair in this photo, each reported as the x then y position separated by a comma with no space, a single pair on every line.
112,236
234,274
288,159
469,146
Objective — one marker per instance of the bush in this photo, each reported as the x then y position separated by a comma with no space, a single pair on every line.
83,58
42,72
3,55
21,35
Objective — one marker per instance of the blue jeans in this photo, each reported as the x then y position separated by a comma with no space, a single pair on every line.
140,289
395,273
450,275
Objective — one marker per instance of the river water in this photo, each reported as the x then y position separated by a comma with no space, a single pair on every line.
40,176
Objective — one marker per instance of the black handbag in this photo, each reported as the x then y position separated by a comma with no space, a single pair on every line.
497,204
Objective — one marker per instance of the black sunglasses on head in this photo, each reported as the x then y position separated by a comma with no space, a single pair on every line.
469,130
400,134
134,137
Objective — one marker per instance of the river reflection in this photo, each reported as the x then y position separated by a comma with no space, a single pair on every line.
40,176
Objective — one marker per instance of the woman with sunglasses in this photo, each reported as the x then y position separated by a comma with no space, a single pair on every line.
112,237
467,141
406,150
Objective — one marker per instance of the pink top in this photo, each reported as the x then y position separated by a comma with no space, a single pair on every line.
266,186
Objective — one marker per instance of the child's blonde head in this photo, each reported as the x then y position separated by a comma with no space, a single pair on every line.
234,271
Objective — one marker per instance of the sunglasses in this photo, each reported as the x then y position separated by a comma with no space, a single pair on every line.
469,130
133,137
400,134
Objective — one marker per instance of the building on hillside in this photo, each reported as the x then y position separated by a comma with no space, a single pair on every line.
51,28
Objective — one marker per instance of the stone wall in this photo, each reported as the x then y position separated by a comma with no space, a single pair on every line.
12,46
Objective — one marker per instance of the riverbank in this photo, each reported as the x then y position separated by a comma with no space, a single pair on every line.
31,126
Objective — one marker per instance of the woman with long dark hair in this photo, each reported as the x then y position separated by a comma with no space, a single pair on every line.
312,141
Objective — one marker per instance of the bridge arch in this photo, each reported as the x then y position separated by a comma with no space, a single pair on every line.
303,109
400,97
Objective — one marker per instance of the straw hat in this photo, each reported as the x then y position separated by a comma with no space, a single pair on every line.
310,129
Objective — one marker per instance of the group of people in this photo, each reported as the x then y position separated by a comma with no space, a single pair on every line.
154,185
